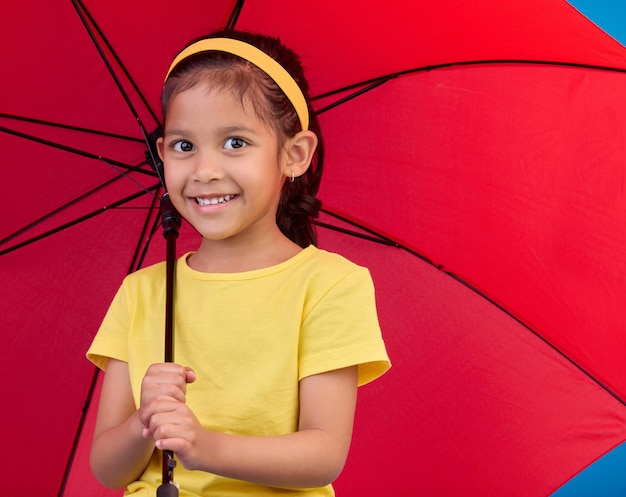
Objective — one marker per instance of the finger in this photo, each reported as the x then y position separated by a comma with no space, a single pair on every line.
173,444
152,413
166,372
172,433
168,384
190,375
165,367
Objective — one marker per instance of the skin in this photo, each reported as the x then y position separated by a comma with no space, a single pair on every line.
231,154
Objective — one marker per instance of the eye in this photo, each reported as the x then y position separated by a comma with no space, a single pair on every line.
234,143
182,146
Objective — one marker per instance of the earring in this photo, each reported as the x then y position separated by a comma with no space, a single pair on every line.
293,177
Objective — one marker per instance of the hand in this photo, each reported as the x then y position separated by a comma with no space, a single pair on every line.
162,381
175,428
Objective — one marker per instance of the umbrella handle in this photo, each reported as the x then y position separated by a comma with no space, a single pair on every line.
170,221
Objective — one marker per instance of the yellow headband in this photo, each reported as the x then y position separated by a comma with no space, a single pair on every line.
260,59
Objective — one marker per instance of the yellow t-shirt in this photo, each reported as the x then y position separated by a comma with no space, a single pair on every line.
250,337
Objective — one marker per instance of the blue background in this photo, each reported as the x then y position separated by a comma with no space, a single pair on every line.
607,476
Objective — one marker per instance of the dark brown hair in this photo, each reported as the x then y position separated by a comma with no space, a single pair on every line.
298,204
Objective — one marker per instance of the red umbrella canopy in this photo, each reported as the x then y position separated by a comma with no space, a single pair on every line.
489,153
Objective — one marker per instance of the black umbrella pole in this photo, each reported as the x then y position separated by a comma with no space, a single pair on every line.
170,221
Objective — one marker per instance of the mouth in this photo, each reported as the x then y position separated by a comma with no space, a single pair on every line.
215,200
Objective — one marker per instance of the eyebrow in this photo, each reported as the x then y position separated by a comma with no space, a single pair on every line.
236,129
224,130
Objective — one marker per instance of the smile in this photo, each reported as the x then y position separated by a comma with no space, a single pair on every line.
215,200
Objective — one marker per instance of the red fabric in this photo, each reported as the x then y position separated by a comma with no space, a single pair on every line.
509,176
506,196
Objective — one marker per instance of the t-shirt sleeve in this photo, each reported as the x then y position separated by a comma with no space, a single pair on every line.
111,340
342,330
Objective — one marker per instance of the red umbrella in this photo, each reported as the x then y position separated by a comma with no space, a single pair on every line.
489,154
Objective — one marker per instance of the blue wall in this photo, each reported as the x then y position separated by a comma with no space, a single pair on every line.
607,476
610,15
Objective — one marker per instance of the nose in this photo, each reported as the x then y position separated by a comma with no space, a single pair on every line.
207,168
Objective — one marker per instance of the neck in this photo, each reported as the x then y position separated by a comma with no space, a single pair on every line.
220,256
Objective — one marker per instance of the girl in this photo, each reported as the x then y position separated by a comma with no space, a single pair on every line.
273,335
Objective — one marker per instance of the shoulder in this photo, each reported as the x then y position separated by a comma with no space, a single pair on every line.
148,279
145,274
328,274
331,262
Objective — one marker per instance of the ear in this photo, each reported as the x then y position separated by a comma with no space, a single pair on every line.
160,145
299,151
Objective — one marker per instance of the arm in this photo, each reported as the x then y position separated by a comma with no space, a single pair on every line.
311,457
119,453
122,446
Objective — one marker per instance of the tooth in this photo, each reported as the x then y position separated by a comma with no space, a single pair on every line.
214,200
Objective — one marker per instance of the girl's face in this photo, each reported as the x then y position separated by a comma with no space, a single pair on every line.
223,169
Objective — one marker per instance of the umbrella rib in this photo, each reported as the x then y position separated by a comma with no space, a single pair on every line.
137,260
79,430
354,233
234,15
76,151
59,209
369,84
380,238
374,84
373,235
578,366
79,220
70,127
82,12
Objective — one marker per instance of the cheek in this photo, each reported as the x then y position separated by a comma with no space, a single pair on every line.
172,176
